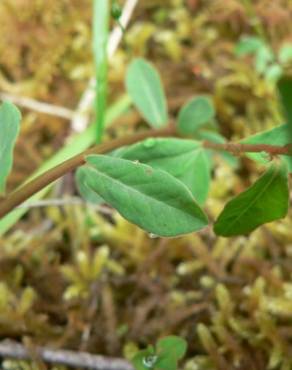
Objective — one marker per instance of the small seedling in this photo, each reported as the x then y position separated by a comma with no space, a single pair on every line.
164,356
267,63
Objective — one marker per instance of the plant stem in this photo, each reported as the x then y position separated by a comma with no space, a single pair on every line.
238,148
26,191
101,14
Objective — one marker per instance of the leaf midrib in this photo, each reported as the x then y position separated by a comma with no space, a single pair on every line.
143,194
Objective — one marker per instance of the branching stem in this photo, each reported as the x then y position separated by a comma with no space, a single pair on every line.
26,191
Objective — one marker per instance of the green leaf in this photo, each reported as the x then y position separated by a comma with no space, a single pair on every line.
186,160
145,88
264,57
169,351
9,128
265,201
279,135
248,45
166,362
273,73
285,54
148,197
101,16
143,359
84,190
173,345
285,93
194,114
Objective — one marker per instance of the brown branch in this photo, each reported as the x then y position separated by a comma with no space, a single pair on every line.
238,148
73,359
26,191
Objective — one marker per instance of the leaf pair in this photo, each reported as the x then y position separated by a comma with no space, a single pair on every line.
145,88
165,356
9,128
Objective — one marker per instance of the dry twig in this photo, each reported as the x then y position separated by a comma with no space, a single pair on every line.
73,359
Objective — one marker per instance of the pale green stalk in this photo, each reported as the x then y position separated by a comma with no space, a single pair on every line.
101,16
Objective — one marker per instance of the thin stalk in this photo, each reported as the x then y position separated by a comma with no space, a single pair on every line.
101,16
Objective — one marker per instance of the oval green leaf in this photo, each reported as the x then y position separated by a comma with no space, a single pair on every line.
265,201
186,160
173,345
145,88
9,128
248,45
195,114
148,197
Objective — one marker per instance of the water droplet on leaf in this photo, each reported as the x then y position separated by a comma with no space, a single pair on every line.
149,361
153,236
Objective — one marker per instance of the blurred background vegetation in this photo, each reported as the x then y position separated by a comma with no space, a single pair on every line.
80,277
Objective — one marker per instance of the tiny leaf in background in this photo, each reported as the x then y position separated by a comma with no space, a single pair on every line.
265,201
285,54
9,128
168,351
248,45
264,58
173,345
145,88
148,197
273,73
195,114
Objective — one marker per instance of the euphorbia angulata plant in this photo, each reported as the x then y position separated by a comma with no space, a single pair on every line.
159,178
